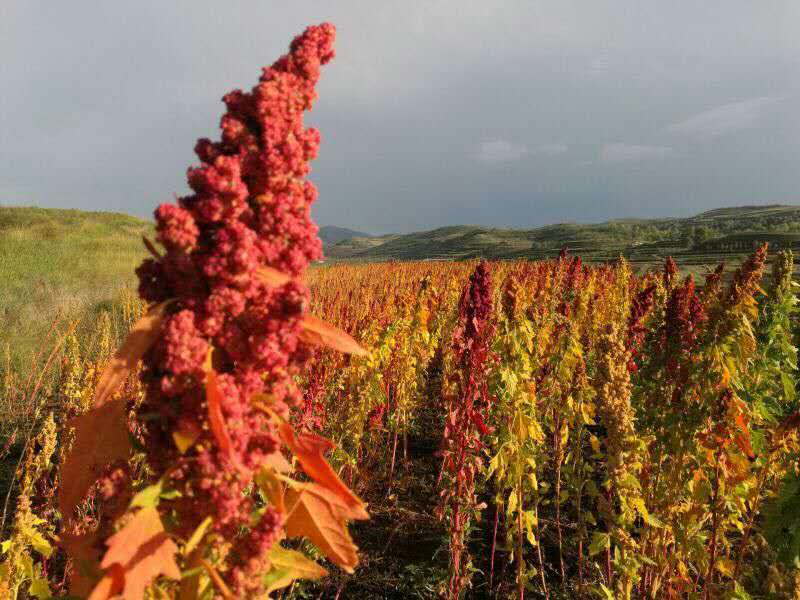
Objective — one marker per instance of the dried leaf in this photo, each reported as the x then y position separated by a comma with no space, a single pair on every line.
319,333
215,417
101,438
309,449
289,565
141,337
787,426
144,551
316,513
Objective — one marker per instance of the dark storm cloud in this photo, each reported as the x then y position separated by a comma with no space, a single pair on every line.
509,114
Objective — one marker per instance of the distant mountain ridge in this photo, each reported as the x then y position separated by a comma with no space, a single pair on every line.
330,234
732,229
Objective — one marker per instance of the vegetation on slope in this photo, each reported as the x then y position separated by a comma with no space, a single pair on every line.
60,264
330,234
640,240
70,263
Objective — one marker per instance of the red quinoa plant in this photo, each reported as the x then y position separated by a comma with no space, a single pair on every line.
227,334
467,406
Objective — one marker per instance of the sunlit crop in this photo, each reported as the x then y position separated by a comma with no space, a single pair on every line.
565,430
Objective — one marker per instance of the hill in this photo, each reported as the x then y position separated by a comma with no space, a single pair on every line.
330,234
695,238
60,263
70,263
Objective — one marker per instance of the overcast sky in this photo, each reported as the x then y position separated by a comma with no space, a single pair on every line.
512,113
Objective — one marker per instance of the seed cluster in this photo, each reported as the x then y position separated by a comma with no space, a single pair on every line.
250,208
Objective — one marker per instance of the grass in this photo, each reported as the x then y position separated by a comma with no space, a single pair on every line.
58,268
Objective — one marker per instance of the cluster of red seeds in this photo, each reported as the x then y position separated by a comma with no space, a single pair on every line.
250,208
636,329
465,424
746,279
570,283
685,315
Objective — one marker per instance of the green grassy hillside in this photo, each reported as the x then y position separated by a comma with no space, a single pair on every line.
330,234
702,238
60,264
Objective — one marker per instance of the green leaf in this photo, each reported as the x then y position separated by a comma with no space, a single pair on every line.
608,593
149,496
40,544
39,589
277,578
288,565
647,561
170,494
653,521
194,572
739,593
788,387
600,541
197,536
512,503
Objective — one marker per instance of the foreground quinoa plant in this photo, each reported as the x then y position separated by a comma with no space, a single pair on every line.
227,334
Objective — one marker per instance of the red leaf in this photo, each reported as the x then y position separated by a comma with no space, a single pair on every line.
140,338
84,570
110,585
144,551
215,418
742,439
316,513
319,333
477,419
309,449
277,463
101,438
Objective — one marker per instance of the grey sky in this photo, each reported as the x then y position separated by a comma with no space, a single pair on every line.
512,113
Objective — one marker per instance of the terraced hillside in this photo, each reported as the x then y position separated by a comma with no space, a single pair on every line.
698,239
